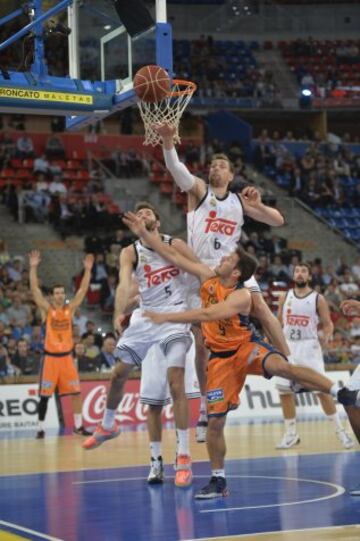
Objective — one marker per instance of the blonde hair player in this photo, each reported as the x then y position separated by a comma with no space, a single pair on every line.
214,225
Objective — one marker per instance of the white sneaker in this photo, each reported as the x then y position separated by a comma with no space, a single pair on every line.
201,430
156,474
345,439
288,440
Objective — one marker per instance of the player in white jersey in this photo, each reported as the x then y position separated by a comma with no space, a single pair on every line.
215,219
352,308
301,310
160,286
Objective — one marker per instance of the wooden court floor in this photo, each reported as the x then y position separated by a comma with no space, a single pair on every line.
68,494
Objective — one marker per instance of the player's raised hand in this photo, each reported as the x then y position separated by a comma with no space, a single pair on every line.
350,307
134,223
155,317
165,130
89,261
251,195
34,258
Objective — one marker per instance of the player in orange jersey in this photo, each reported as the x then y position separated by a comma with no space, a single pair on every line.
58,368
234,350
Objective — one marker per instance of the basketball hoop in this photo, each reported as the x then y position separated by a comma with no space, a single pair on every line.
168,110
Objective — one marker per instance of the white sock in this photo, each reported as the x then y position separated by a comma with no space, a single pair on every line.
203,404
41,425
77,420
155,449
108,419
290,426
218,473
182,442
335,418
335,388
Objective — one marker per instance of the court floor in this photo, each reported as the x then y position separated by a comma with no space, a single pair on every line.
52,489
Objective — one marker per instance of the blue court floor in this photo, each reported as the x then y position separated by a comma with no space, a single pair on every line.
267,495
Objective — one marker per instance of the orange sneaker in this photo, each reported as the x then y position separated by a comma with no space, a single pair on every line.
100,435
183,476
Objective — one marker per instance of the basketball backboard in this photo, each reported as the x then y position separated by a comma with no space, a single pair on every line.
103,58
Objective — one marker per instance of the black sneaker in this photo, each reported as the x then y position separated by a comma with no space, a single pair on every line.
215,489
81,431
40,435
348,398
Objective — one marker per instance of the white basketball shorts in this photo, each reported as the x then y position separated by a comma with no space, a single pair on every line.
154,387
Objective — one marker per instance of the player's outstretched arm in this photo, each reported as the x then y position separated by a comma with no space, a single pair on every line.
168,252
39,299
180,173
238,302
84,284
270,324
255,208
327,325
124,289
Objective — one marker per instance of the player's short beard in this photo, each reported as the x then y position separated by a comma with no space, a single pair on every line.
302,284
150,226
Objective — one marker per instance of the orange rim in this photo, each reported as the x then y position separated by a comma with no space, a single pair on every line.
190,88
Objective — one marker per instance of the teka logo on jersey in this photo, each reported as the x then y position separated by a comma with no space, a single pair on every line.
159,276
296,320
130,409
214,224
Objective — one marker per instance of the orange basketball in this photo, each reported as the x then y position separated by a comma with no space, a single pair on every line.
151,83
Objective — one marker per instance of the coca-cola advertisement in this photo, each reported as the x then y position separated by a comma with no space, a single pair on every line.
130,410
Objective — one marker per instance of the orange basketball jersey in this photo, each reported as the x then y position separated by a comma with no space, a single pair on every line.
225,334
58,333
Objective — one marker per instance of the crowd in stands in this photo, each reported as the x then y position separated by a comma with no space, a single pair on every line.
328,68
224,69
325,175
68,193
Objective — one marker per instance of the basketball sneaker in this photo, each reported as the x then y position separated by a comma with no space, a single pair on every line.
40,434
346,397
215,489
288,440
81,431
201,430
156,474
183,476
345,439
100,435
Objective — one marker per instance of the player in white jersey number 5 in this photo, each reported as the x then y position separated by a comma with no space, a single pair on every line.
215,219
301,310
160,288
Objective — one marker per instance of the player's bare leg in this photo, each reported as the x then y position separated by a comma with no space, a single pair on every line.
329,408
77,412
201,360
183,476
216,446
309,379
156,474
109,428
290,437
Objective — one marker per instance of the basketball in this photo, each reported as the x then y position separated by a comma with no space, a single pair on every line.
151,83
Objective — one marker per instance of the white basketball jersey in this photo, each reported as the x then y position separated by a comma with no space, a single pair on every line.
161,284
300,318
214,227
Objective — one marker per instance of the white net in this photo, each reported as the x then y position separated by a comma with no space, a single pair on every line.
168,110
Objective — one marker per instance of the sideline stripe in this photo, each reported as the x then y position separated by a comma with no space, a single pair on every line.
18,528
